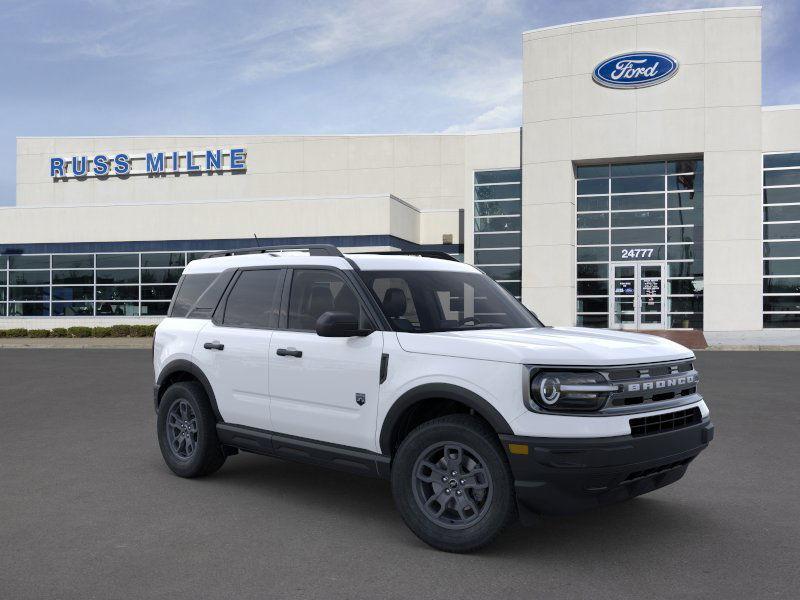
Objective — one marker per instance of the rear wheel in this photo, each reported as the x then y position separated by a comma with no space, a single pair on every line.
452,484
187,432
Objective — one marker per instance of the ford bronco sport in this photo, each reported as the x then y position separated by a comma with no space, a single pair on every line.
421,370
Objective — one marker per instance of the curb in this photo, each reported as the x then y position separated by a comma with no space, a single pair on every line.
77,343
753,348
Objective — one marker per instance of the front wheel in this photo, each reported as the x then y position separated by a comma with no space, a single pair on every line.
452,483
187,431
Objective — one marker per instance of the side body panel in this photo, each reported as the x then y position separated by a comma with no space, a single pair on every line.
174,340
499,384
330,393
238,373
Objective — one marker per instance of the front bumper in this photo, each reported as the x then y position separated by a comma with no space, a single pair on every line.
565,475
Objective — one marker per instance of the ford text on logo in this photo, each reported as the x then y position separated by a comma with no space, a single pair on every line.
151,163
635,70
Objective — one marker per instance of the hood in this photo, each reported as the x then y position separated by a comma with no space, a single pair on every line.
576,346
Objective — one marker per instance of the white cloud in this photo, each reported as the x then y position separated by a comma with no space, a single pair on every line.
337,33
497,117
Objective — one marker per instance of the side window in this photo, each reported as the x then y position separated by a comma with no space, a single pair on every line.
189,291
398,303
254,299
316,292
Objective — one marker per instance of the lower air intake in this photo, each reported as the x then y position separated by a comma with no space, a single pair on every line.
665,422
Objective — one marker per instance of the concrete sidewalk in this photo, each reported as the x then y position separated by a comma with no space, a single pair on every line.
764,339
98,343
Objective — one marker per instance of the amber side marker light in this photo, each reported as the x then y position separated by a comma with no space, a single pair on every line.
518,448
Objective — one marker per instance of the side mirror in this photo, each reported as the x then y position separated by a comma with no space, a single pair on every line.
339,324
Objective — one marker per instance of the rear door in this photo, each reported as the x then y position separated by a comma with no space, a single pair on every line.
324,388
232,349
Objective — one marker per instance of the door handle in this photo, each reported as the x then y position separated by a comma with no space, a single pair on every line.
289,352
215,345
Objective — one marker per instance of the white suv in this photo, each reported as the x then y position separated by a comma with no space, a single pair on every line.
421,370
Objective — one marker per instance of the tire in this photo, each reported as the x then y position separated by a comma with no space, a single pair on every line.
479,505
199,453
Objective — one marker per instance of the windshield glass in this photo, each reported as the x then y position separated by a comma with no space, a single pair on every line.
427,301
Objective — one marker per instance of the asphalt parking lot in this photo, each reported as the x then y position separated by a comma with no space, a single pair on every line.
88,509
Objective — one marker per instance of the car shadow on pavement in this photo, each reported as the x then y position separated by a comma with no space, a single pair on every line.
345,498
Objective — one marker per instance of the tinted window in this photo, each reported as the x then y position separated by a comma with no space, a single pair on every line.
190,289
497,176
85,276
73,261
492,192
253,301
29,262
426,301
117,260
163,259
316,292
118,276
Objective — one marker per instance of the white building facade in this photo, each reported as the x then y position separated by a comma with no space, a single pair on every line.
647,188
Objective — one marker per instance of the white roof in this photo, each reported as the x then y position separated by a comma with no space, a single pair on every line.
366,262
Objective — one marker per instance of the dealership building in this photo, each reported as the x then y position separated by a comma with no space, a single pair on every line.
646,188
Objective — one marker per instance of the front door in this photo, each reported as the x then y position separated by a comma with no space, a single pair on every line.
637,295
324,388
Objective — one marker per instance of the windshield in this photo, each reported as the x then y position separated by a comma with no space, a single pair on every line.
428,301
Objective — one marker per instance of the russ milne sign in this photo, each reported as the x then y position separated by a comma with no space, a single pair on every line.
151,163
635,70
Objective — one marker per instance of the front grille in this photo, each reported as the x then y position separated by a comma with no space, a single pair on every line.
645,384
665,422
623,373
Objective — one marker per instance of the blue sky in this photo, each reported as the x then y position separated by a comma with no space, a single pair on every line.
152,67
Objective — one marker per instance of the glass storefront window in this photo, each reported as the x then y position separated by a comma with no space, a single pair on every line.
73,309
72,292
164,259
73,261
64,277
497,226
29,261
638,213
87,284
781,247
117,276
28,309
29,277
111,261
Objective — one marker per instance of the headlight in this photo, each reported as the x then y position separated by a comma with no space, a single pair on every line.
570,391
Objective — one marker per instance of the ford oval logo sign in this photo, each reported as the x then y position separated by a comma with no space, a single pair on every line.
635,70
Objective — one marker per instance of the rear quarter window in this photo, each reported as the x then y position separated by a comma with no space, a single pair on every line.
189,290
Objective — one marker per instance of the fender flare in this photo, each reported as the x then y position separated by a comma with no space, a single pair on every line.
182,365
444,391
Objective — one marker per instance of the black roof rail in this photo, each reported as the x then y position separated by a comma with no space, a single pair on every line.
313,250
424,253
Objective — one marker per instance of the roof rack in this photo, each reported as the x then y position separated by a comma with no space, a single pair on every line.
313,250
424,253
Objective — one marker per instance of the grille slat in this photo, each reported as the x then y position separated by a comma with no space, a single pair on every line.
665,422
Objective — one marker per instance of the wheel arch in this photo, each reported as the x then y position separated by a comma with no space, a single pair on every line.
184,370
416,398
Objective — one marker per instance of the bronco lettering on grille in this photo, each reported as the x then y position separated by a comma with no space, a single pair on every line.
658,384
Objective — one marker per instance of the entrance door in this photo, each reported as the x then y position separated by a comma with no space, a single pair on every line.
636,300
